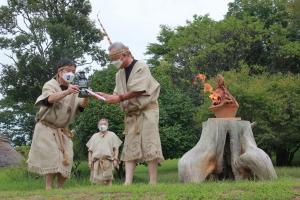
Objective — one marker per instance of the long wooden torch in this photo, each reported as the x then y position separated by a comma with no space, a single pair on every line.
103,31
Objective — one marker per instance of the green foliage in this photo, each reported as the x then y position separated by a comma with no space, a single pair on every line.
246,35
24,150
269,11
177,127
37,34
294,25
290,53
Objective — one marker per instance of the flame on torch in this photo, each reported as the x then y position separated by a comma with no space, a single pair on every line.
208,88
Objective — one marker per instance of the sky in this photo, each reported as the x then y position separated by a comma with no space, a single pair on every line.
136,22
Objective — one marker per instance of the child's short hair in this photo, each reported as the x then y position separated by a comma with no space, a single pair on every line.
103,119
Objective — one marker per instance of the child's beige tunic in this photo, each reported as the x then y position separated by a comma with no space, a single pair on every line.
102,146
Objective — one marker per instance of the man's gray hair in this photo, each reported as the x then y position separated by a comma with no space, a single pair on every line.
117,46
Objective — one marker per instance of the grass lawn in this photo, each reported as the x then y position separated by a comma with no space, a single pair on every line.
16,183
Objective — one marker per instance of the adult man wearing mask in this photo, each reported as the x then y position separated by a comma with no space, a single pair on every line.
103,154
137,93
51,152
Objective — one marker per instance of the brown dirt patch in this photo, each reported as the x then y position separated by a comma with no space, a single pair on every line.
79,196
296,190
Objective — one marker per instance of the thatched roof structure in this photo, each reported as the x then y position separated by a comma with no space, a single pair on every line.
8,155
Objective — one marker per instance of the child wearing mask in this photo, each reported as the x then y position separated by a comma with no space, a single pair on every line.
103,151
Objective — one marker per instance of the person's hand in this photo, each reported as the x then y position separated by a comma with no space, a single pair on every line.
112,99
87,93
116,163
73,89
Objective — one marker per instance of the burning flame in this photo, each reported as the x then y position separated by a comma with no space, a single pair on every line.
208,88
214,96
216,99
202,77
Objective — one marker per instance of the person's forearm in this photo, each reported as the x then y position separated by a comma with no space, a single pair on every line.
116,154
130,95
90,157
57,96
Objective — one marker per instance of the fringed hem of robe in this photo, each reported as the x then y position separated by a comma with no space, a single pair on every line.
144,158
44,171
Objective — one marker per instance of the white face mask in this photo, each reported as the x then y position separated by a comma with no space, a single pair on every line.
102,127
68,77
117,63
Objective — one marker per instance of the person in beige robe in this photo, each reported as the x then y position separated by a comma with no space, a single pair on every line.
103,151
51,152
137,93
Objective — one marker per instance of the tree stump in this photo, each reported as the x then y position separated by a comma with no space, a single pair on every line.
226,149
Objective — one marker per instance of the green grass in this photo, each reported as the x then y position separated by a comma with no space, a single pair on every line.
17,183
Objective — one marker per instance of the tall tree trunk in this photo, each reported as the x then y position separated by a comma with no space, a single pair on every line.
292,153
282,157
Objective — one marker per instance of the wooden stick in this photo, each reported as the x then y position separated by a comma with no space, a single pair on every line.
103,31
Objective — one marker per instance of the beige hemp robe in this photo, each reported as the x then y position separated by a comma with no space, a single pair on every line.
52,148
142,141
101,146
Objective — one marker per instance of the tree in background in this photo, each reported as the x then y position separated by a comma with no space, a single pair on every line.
281,26
268,11
37,34
179,48
246,35
294,25
178,131
256,46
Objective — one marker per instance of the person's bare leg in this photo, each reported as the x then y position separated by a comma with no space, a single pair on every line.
104,182
49,181
152,169
60,180
129,170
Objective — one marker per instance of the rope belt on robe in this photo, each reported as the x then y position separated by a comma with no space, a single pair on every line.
136,116
100,163
59,139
